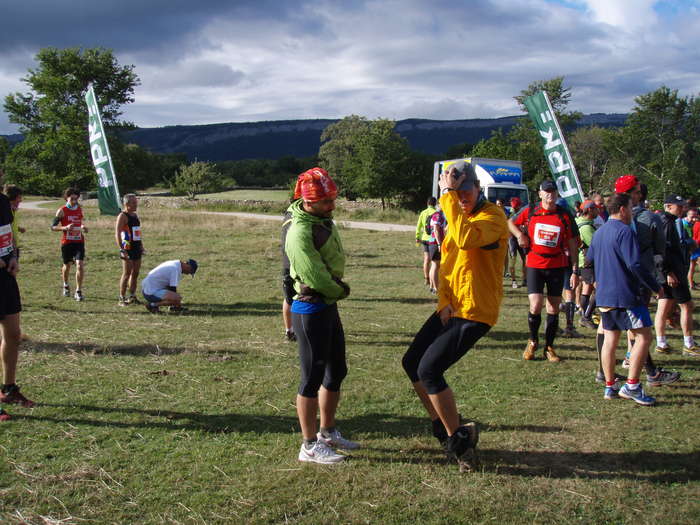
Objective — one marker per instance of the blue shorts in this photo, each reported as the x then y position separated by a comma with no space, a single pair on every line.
156,297
626,318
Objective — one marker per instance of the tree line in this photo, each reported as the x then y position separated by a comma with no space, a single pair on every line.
659,142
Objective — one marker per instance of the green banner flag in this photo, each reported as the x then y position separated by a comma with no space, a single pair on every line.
107,189
557,154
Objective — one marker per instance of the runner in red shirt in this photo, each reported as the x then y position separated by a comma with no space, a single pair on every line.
551,235
69,221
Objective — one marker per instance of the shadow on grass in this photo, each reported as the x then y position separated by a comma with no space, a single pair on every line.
132,350
402,300
650,466
390,424
225,310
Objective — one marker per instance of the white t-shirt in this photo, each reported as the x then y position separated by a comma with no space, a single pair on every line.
166,274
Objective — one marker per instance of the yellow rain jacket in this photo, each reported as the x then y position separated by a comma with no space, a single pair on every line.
472,258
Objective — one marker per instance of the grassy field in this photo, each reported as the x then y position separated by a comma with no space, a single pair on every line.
190,418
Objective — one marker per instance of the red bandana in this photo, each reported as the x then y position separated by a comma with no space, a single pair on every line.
315,185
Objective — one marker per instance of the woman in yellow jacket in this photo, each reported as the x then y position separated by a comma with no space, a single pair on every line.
469,298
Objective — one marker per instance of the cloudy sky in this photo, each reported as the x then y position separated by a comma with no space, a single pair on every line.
211,61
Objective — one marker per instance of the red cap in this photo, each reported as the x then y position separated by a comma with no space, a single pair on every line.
625,183
315,185
515,202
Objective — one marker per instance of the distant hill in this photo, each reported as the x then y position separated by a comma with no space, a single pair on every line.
301,138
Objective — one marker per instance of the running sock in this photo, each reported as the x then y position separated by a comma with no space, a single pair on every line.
65,285
599,340
309,443
688,341
8,387
570,310
649,366
633,384
327,431
661,341
609,383
585,299
533,322
550,329
588,312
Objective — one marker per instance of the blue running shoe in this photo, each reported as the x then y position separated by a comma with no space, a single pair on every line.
612,392
637,395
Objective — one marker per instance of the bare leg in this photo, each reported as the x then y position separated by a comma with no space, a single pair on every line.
427,403
126,273
642,339
607,355
328,404
9,347
663,310
65,271
687,318
307,408
79,274
434,271
446,408
426,267
134,276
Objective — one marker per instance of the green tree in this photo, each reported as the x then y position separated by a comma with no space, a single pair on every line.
339,143
378,167
661,142
595,157
456,151
53,117
497,146
193,179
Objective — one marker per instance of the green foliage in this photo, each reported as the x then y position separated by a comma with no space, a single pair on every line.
463,149
53,116
377,168
661,142
193,179
263,172
339,145
497,146
595,157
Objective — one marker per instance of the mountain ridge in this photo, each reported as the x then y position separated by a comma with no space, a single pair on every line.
301,138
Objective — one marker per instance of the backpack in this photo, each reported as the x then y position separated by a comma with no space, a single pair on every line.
426,227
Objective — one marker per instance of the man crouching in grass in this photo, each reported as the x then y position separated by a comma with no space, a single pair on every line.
469,298
317,265
620,277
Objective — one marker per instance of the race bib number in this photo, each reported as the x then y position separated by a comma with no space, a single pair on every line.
74,233
136,233
547,235
6,240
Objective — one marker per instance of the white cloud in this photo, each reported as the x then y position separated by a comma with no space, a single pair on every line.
401,59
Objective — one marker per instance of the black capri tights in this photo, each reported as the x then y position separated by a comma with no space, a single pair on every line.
321,350
436,348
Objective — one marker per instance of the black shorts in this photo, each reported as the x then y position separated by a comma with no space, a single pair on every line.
321,350
537,278
10,302
587,275
567,278
426,246
434,252
73,251
288,287
435,348
680,293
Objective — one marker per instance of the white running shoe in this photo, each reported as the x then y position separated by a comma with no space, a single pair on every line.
79,295
320,453
338,441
